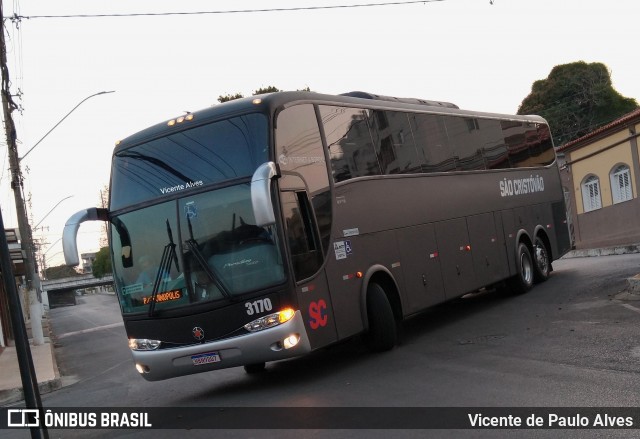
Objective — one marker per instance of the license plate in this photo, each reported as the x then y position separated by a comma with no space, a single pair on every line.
205,358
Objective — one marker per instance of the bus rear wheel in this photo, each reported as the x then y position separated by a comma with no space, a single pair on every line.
382,333
523,281
542,267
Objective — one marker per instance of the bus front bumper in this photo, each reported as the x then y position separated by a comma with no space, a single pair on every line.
257,347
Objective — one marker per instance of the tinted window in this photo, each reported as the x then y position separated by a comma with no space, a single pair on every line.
539,144
397,152
300,153
430,133
349,141
203,247
464,136
305,254
206,154
528,144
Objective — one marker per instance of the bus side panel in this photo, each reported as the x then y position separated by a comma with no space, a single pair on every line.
455,257
350,255
509,233
315,304
562,243
487,249
420,267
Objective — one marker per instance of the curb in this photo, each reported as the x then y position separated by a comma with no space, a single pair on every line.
11,396
605,251
16,394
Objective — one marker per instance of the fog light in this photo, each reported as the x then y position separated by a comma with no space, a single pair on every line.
142,368
291,341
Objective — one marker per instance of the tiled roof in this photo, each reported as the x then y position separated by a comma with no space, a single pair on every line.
620,121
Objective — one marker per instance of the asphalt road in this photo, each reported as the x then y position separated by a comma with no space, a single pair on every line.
568,343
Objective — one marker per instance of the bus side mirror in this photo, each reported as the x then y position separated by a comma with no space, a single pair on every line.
70,232
261,194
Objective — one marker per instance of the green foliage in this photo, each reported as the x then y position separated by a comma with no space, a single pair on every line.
576,99
263,90
229,97
102,264
59,272
260,91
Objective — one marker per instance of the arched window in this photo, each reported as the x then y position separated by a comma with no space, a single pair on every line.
621,184
591,193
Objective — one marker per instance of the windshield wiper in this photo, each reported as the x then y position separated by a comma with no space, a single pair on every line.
168,256
199,257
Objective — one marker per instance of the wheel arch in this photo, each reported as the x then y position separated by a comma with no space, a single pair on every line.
382,276
523,237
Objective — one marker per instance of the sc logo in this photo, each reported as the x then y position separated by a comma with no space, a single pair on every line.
318,316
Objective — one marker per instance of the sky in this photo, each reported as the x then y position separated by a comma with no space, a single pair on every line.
478,55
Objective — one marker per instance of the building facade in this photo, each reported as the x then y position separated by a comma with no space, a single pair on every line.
87,262
17,259
600,173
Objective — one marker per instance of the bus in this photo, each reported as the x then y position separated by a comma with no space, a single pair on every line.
268,227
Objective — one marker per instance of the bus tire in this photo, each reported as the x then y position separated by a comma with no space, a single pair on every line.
542,265
382,334
255,368
523,280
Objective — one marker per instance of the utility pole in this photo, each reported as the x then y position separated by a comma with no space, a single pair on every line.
32,279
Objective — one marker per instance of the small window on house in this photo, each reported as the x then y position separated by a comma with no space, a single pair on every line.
591,194
621,184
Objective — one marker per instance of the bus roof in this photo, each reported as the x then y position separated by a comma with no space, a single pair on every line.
265,103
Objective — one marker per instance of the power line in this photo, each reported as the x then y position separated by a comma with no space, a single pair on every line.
18,18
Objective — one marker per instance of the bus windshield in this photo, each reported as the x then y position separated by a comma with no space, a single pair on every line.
199,248
211,153
203,246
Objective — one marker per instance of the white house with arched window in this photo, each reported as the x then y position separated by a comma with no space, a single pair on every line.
600,173
621,184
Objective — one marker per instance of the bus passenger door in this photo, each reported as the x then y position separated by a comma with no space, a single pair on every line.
306,253
455,257
420,266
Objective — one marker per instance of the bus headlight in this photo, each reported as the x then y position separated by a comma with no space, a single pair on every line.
143,344
271,320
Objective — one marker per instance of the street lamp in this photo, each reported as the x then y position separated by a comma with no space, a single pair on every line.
31,277
61,120
52,209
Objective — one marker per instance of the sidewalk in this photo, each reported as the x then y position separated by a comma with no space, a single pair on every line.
46,372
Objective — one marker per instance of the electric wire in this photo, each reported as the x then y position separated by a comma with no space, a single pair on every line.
17,18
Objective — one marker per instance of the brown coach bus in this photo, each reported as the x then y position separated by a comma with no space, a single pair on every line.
267,227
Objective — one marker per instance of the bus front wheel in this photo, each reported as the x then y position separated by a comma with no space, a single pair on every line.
382,333
523,280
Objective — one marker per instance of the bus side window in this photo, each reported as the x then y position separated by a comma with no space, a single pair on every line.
301,234
349,141
394,143
430,134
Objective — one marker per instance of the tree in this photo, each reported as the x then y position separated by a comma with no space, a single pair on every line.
262,90
229,97
576,99
102,264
